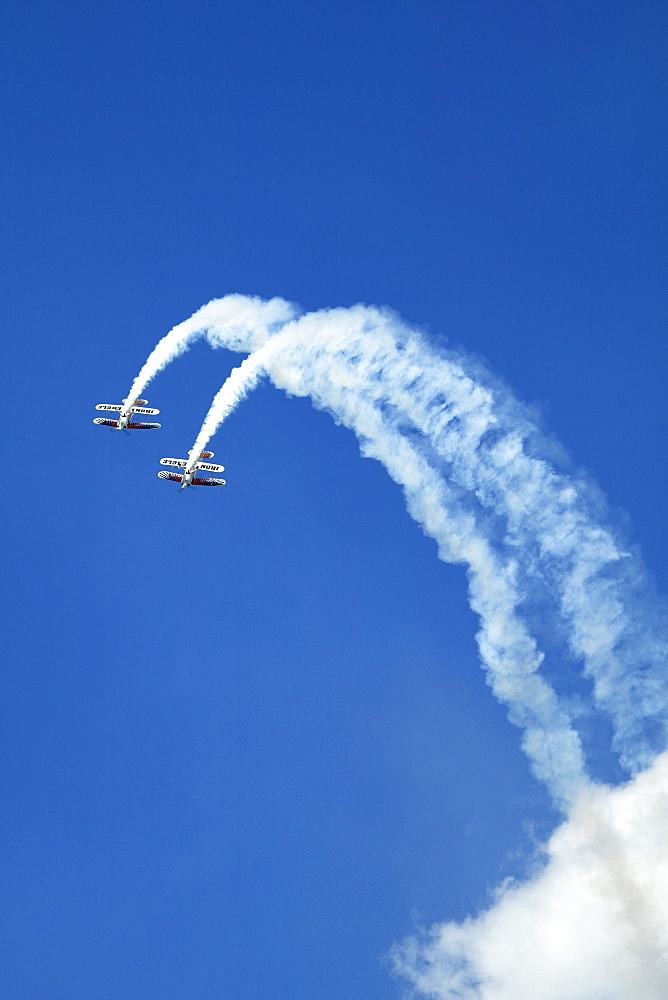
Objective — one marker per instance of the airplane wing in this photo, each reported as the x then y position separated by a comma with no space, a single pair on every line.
210,468
174,476
180,463
149,411
207,482
105,423
143,427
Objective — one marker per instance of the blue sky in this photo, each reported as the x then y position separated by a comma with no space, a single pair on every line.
246,739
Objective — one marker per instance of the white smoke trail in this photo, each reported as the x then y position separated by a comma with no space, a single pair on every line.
490,448
539,523
508,652
245,322
236,387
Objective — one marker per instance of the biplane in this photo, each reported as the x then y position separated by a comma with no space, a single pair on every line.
190,467
126,410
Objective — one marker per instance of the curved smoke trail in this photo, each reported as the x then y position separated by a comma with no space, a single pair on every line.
480,479
245,322
477,477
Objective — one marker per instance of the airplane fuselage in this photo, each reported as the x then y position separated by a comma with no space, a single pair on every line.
188,476
189,471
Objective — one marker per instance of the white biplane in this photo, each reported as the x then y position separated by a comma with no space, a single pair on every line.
125,411
190,466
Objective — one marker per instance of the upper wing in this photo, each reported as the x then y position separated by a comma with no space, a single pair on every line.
210,468
180,463
133,409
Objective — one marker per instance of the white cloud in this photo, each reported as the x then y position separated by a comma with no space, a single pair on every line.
592,925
